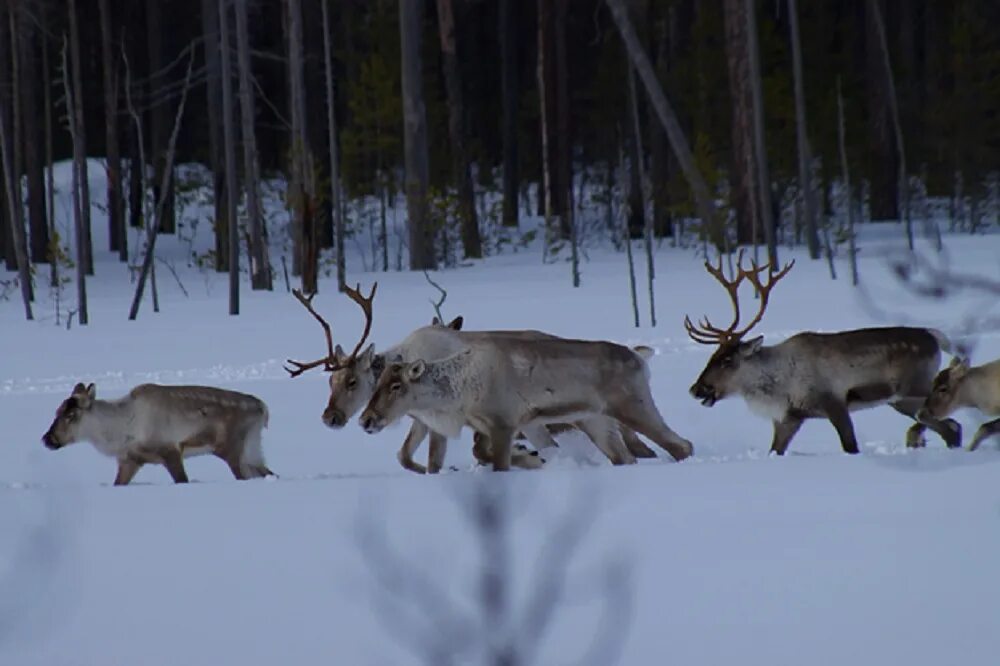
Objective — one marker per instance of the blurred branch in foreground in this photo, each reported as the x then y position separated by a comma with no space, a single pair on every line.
490,627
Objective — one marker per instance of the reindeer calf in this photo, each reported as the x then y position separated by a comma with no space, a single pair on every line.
960,385
163,425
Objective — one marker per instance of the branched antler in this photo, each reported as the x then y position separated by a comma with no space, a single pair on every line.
366,307
708,334
331,362
327,361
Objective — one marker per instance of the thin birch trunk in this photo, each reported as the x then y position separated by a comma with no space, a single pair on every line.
82,313
809,207
627,239
153,225
759,145
904,197
116,217
714,226
80,142
50,181
229,148
331,129
20,242
260,266
846,175
471,240
647,219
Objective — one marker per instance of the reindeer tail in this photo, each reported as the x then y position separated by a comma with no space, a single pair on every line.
943,341
645,352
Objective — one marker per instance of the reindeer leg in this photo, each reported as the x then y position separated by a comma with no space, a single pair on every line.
410,445
640,414
837,412
127,469
637,447
500,445
481,448
438,451
174,463
606,436
950,430
985,431
784,431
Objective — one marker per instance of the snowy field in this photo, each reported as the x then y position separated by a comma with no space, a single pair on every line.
731,557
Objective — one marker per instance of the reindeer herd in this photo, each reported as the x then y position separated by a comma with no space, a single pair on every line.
507,385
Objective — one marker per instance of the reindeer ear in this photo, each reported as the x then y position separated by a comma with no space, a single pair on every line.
338,353
368,355
752,346
80,389
436,322
456,323
91,391
416,370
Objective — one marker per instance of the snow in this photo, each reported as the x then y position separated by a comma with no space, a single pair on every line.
731,557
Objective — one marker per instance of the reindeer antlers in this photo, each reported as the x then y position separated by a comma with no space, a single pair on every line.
330,361
707,334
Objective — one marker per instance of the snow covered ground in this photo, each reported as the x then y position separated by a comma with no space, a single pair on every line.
730,557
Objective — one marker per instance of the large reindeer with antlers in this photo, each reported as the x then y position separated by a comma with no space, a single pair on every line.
818,375
353,377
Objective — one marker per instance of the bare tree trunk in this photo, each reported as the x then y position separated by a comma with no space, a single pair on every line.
765,211
547,95
627,239
509,68
544,20
260,264
743,175
713,224
159,119
50,181
116,217
80,142
153,224
332,136
564,146
15,137
659,148
80,236
883,182
802,136
902,187
20,243
647,220
32,138
300,176
6,230
415,137
213,75
471,240
229,138
846,175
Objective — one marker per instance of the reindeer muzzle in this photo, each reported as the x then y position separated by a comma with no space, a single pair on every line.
334,418
372,422
50,441
706,394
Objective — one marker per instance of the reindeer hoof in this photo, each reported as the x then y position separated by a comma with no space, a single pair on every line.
954,440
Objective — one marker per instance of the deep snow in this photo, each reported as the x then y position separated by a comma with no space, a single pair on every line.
734,557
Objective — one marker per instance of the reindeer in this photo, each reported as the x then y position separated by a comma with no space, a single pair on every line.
499,385
960,385
353,377
818,375
163,425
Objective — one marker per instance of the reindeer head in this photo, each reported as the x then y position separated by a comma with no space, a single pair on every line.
394,395
720,377
65,428
945,391
351,375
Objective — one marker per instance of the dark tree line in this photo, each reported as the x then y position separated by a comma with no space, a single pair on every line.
442,101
